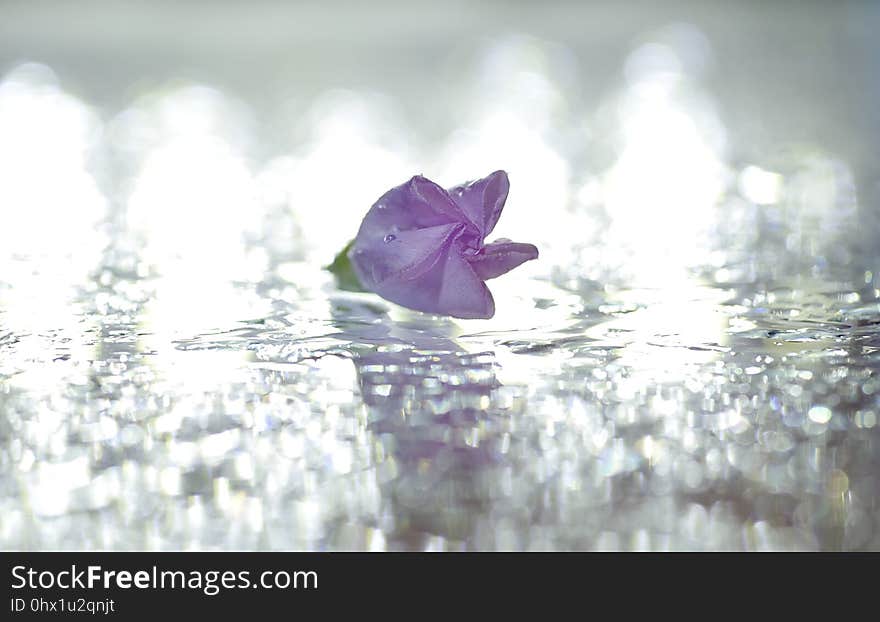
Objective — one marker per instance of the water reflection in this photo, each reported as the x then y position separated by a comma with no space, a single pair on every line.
692,365
433,427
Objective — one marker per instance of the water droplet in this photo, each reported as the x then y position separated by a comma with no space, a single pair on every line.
390,238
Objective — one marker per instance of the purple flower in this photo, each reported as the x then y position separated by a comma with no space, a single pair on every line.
424,247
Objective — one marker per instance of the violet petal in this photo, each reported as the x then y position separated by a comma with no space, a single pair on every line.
403,255
482,200
501,257
448,287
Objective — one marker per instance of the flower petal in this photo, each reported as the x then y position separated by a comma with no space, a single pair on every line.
463,293
482,200
427,193
449,286
500,257
416,204
404,255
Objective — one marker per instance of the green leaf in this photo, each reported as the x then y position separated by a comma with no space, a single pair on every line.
341,268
